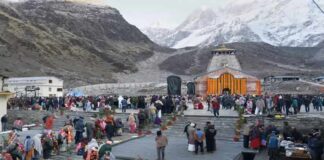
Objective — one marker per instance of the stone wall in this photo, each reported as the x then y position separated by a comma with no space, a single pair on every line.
128,89
219,61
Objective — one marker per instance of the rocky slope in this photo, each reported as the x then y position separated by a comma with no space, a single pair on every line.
280,23
83,44
259,59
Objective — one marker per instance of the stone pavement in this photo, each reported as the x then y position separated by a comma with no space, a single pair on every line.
204,112
176,149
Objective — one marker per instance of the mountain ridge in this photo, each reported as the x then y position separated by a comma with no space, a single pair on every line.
280,23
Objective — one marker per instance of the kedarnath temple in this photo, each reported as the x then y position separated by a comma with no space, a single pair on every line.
224,75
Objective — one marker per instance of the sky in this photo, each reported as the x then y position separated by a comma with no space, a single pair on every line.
162,13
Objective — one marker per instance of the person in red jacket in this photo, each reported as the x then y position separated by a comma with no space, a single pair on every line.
49,122
216,107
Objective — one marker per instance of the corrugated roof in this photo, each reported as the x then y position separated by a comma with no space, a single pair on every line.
32,78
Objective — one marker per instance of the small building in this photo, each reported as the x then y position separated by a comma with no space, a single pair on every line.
281,78
34,86
4,96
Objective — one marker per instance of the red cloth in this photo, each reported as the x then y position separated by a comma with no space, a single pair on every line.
255,143
215,105
200,106
49,122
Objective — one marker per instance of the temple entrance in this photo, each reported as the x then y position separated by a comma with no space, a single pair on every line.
226,91
226,83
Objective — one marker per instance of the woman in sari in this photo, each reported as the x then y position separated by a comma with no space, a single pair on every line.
132,123
38,148
29,148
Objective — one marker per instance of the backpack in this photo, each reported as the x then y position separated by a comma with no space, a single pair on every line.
273,142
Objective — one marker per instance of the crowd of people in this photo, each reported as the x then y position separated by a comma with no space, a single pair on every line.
69,136
258,105
150,111
258,136
267,104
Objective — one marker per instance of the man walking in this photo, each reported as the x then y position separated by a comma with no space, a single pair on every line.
124,105
79,128
199,140
161,143
307,103
216,107
259,106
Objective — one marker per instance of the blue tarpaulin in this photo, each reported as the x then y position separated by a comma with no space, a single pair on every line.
76,93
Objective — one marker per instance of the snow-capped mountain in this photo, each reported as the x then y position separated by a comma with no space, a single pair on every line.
156,34
320,3
279,22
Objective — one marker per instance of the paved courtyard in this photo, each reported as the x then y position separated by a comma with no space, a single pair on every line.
177,149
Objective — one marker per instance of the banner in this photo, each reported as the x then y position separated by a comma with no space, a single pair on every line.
174,85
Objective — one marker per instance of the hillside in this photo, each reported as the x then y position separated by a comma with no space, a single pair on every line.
259,59
82,44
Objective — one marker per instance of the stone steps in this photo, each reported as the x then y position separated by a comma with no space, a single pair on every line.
225,126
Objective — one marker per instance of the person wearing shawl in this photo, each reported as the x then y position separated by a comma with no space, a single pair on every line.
38,148
255,138
105,148
49,122
90,128
109,127
132,123
13,150
191,132
92,154
47,146
91,150
91,144
119,127
141,119
210,138
29,148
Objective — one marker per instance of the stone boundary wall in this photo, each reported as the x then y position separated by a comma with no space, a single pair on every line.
128,89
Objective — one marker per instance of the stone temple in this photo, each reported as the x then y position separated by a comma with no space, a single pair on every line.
223,57
224,75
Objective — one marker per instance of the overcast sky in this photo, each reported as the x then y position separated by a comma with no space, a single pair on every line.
167,13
